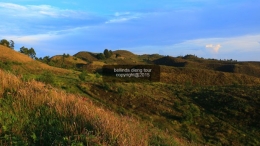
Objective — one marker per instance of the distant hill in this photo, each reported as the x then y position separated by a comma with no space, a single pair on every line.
67,61
124,54
171,61
86,56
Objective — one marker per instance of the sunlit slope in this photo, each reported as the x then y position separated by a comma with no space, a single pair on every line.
23,63
195,76
33,113
67,61
86,56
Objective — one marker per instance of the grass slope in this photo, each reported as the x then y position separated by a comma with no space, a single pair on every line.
67,62
86,56
35,114
203,101
24,64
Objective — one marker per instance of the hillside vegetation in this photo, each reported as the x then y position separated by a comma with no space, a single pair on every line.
196,102
35,113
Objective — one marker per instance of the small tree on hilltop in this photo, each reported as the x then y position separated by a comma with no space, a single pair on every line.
106,53
101,56
30,52
24,50
11,44
4,42
110,53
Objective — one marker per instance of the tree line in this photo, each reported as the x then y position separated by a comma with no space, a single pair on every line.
106,54
10,44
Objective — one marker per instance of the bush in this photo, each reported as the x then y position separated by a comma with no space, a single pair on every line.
106,86
82,75
47,77
97,75
120,90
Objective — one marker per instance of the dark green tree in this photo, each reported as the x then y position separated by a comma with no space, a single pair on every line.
110,53
4,42
101,56
24,50
11,44
106,53
46,59
32,53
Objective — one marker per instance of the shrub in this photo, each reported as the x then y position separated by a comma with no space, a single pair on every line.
120,90
106,86
97,75
82,75
47,77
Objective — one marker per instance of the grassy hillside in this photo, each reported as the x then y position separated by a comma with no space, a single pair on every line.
69,62
203,102
86,56
35,114
20,63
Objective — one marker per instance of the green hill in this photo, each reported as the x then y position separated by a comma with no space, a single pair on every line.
86,56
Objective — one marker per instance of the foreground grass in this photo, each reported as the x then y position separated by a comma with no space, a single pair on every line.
33,113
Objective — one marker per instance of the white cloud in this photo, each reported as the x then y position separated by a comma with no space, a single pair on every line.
12,6
215,48
39,11
123,16
117,14
241,45
32,39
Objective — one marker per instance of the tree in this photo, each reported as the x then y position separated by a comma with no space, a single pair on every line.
110,53
106,53
24,50
30,52
11,44
101,56
4,42
46,59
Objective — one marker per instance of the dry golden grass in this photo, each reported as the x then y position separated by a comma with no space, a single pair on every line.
8,54
124,53
86,56
109,127
69,59
204,77
28,63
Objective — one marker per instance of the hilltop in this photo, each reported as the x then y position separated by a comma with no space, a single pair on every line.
24,64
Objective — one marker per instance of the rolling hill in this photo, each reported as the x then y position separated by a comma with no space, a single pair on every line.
196,102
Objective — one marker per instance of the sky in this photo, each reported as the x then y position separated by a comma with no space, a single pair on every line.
211,29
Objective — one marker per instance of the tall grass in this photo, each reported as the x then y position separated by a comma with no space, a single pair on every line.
33,113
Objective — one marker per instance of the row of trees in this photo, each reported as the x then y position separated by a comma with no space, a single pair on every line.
9,44
106,54
30,52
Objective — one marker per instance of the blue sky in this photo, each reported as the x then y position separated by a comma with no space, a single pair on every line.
210,29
